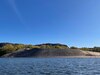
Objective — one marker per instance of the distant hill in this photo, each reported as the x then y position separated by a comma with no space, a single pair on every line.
50,44
42,50
3,44
6,48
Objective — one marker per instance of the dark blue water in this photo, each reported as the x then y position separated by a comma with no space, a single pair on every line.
49,66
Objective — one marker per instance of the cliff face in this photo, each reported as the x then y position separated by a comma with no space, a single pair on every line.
45,53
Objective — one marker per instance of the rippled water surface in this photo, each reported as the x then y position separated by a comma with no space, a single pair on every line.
49,66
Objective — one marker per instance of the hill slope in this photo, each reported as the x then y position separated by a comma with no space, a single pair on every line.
49,53
42,50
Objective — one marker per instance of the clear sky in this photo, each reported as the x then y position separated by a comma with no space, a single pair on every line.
71,22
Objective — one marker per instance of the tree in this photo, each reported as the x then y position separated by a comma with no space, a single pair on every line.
8,48
73,47
31,46
85,48
19,46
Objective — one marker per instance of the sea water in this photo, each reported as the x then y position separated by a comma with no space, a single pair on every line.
49,66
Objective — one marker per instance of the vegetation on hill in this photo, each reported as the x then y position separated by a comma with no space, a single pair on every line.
6,48
73,47
94,49
10,47
52,46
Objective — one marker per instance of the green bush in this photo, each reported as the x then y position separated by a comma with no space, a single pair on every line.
8,48
73,47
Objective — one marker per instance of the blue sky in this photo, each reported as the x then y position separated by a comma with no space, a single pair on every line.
71,22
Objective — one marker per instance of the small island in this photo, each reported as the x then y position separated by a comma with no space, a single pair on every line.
45,50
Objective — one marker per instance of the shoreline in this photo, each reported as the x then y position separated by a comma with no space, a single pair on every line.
57,57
